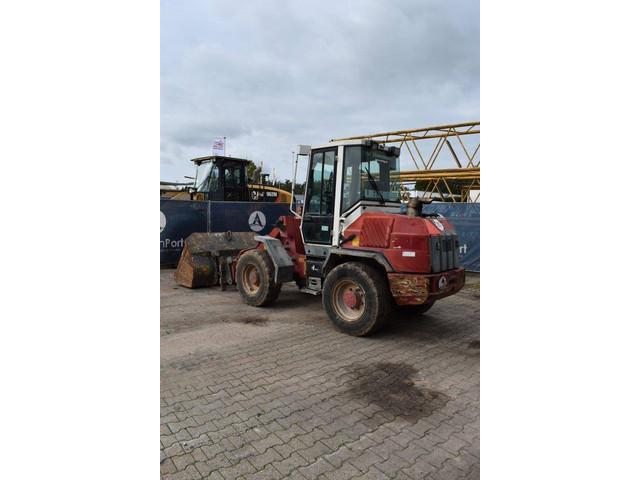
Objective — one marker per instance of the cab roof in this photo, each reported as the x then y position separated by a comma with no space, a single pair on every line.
374,144
216,158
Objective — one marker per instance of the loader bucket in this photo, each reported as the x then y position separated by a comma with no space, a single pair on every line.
205,254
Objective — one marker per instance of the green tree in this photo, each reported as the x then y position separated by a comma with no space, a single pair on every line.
251,168
286,185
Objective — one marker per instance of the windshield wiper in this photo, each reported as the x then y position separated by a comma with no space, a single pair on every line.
373,183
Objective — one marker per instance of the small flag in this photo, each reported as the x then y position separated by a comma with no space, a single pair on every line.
218,146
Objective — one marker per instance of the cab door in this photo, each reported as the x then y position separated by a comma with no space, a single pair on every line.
317,220
234,183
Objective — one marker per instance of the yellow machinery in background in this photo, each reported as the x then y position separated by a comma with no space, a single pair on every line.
221,178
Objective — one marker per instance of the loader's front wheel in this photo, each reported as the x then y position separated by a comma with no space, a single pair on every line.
356,298
254,277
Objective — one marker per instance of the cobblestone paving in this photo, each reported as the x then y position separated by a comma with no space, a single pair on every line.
297,399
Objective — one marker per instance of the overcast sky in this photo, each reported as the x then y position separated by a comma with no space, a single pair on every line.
272,74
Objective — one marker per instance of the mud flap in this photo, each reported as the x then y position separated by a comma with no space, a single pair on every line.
280,258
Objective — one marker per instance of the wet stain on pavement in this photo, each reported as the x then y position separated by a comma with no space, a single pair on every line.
392,387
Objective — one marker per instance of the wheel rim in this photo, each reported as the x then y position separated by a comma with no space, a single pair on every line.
251,279
349,300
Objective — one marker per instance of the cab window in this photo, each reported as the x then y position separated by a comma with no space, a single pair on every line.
351,175
321,183
232,176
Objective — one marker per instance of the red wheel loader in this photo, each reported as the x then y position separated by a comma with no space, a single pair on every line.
355,243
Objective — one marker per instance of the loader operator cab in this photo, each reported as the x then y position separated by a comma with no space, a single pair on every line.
344,178
221,179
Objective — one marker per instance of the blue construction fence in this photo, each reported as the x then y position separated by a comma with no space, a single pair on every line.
465,218
181,218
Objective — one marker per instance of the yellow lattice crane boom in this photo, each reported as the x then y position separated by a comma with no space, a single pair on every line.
460,141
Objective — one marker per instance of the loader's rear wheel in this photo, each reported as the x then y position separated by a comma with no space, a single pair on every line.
415,309
356,298
254,277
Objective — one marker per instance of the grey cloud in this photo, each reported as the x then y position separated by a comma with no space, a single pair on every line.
272,74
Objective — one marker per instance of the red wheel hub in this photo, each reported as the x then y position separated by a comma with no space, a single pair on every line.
351,299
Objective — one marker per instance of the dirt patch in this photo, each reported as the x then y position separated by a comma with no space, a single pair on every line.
471,289
259,321
392,387
475,345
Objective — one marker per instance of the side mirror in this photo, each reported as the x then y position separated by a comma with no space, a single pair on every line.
304,150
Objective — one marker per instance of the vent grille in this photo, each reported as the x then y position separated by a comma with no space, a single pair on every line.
444,252
376,231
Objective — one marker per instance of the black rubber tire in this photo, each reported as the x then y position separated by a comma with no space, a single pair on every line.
268,290
415,309
377,298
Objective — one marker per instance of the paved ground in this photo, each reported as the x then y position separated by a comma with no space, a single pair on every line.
278,393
